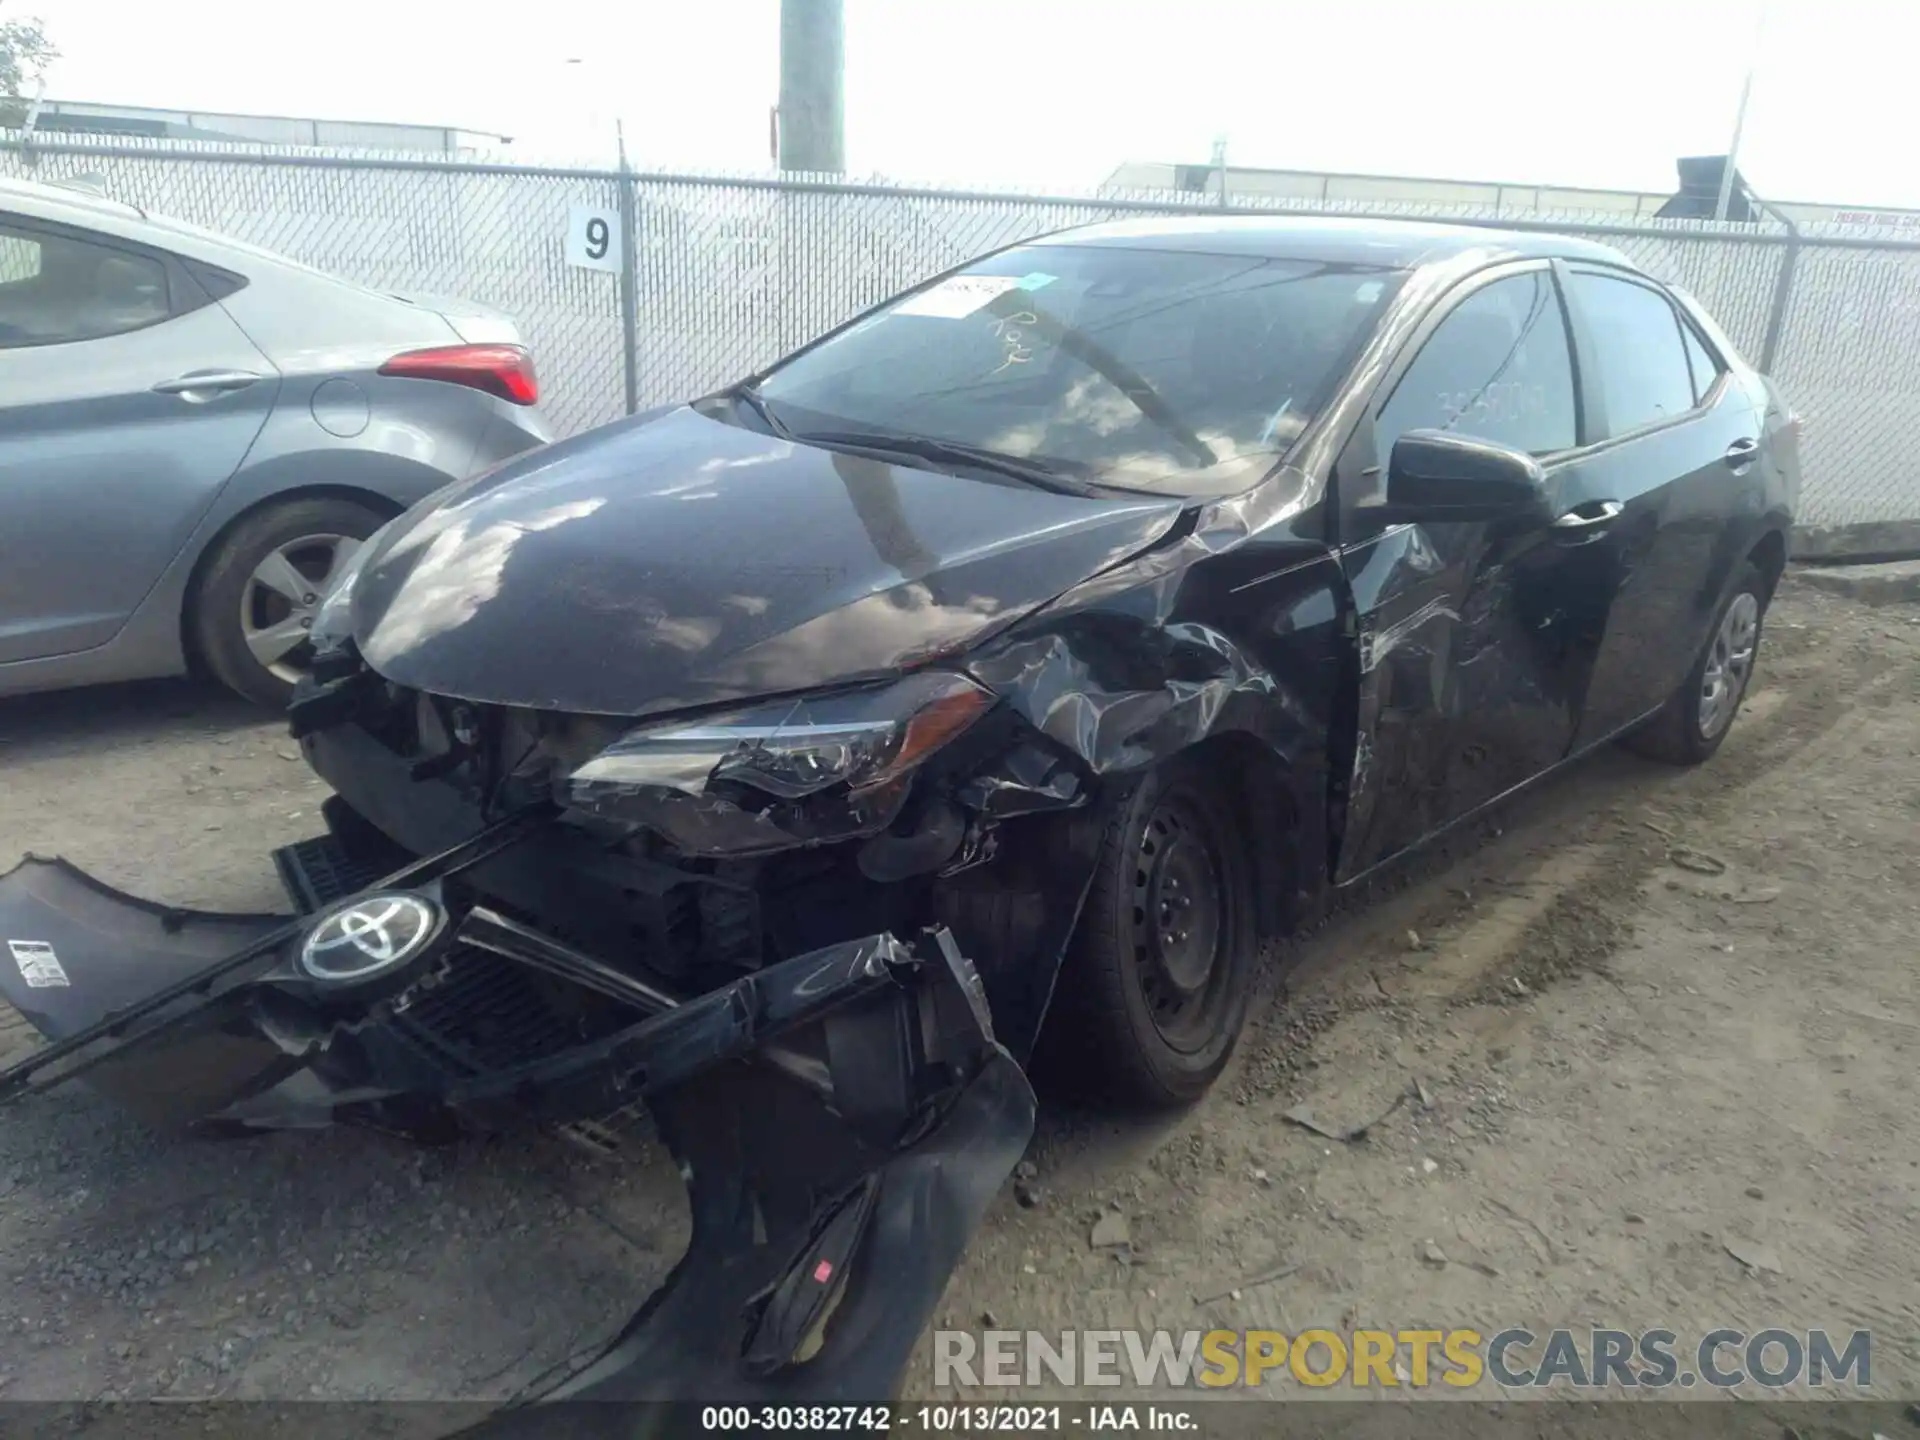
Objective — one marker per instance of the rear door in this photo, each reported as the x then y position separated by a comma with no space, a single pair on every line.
1675,435
128,398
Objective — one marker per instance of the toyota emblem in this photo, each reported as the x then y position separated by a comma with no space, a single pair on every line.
374,934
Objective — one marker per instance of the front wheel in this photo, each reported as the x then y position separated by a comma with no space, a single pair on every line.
1700,713
1154,990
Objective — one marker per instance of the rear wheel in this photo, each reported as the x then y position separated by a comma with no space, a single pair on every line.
262,587
1698,716
1154,990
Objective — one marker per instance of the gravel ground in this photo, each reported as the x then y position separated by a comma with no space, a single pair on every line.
1612,1072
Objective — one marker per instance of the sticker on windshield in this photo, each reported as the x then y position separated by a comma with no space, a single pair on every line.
958,295
1036,280
39,966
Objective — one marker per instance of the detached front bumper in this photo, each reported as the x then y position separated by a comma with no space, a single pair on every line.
842,1118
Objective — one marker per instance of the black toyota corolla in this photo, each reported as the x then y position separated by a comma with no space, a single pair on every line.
993,673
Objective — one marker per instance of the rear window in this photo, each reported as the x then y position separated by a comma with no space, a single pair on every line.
1165,371
56,289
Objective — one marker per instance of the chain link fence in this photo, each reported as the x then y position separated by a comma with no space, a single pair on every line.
722,275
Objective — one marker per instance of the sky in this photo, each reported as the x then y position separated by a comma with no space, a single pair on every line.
1043,94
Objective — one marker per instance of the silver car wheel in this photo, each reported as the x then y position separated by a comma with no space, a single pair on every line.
283,596
1729,664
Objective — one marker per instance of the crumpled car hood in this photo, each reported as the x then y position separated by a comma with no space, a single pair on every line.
675,561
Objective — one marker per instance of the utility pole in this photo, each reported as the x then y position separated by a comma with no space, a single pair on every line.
1725,198
812,62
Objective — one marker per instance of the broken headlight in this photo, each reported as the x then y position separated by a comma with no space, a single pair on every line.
794,772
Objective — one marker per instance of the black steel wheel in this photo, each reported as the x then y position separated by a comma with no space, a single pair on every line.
1154,992
1178,932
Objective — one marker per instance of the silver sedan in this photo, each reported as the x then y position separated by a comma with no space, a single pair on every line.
196,434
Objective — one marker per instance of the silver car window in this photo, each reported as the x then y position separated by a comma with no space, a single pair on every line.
56,289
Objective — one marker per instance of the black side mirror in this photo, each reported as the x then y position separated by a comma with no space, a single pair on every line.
1436,477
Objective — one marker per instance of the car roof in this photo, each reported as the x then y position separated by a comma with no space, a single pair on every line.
77,196
78,204
1394,244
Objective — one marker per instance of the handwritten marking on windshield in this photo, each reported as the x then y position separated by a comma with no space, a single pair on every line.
1007,330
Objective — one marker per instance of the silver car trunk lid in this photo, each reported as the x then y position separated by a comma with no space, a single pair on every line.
473,322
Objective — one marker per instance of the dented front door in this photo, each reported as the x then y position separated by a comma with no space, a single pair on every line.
1471,674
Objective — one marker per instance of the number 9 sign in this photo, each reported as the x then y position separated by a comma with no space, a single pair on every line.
593,238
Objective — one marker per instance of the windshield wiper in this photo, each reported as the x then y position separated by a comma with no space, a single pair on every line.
748,394
1036,473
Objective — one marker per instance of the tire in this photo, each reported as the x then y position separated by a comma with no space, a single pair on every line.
232,605
1698,716
1141,1017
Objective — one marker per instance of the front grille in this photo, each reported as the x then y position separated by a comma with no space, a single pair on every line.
485,1015
317,872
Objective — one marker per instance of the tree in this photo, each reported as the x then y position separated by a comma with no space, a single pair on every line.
24,53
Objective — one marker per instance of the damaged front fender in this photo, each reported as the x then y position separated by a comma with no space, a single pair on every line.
1141,662
1241,657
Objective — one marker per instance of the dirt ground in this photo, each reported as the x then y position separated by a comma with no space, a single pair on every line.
1610,1068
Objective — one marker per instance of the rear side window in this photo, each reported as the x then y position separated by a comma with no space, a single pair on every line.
1497,368
55,289
1700,360
1641,360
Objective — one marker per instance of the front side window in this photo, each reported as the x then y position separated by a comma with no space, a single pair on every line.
55,289
1169,371
1638,353
1497,368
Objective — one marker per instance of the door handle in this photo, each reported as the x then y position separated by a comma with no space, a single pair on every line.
1742,452
199,386
1587,518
